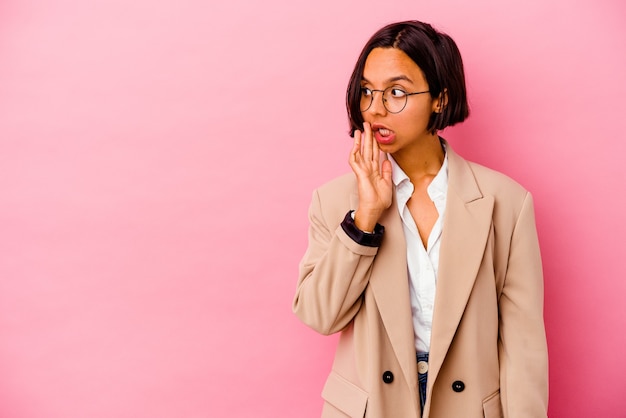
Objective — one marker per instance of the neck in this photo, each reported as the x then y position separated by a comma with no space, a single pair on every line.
423,159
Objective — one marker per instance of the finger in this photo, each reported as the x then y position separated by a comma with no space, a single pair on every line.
367,142
386,169
356,148
375,153
356,141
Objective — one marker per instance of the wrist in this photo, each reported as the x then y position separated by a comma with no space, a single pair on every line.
372,239
366,219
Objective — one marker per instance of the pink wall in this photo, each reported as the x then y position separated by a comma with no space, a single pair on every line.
156,164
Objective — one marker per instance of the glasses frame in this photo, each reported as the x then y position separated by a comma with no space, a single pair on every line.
406,98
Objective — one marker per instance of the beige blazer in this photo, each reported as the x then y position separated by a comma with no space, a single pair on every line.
488,335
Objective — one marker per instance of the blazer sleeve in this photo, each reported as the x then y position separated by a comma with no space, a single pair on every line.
333,273
522,346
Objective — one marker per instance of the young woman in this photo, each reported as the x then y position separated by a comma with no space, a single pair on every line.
427,264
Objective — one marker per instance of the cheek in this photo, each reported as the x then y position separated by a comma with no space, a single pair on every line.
422,110
416,119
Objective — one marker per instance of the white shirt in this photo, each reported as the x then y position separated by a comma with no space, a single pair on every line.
422,263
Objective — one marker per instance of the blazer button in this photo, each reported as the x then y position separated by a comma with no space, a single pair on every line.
458,386
387,377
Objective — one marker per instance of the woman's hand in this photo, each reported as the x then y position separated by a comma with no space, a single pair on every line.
373,179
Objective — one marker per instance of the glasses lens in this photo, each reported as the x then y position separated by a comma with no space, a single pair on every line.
394,99
367,96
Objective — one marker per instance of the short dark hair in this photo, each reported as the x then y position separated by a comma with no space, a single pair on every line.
435,53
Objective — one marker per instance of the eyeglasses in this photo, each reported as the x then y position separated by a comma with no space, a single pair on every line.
394,98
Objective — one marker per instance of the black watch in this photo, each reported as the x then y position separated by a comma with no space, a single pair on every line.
363,238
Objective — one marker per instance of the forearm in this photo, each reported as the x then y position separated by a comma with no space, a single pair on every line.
523,349
329,289
334,272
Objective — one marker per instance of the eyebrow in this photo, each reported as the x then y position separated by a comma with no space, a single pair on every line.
393,79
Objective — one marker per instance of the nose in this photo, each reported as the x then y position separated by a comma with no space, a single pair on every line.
378,106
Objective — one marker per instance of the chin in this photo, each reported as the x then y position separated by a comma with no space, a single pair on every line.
388,148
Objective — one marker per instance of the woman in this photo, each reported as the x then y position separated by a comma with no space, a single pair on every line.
427,264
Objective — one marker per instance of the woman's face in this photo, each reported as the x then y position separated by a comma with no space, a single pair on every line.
397,132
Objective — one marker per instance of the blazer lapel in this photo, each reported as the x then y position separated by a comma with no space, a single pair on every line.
466,227
389,284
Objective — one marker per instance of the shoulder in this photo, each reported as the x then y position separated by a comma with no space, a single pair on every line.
489,181
345,183
495,183
338,193
333,199
472,181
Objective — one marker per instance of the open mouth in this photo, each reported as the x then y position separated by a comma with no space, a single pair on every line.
383,135
384,132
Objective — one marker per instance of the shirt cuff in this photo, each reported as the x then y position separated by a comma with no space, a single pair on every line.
363,238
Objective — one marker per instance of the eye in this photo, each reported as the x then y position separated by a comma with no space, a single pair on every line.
365,92
397,93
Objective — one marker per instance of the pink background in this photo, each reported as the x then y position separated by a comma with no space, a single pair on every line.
156,164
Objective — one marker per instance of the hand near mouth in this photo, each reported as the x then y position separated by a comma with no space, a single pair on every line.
373,179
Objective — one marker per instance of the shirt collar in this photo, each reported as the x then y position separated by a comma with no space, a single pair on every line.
438,188
397,174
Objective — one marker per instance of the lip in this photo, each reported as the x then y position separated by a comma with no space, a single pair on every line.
384,140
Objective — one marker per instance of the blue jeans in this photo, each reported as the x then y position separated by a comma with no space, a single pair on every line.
422,378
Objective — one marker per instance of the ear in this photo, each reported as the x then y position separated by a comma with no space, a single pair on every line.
441,102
